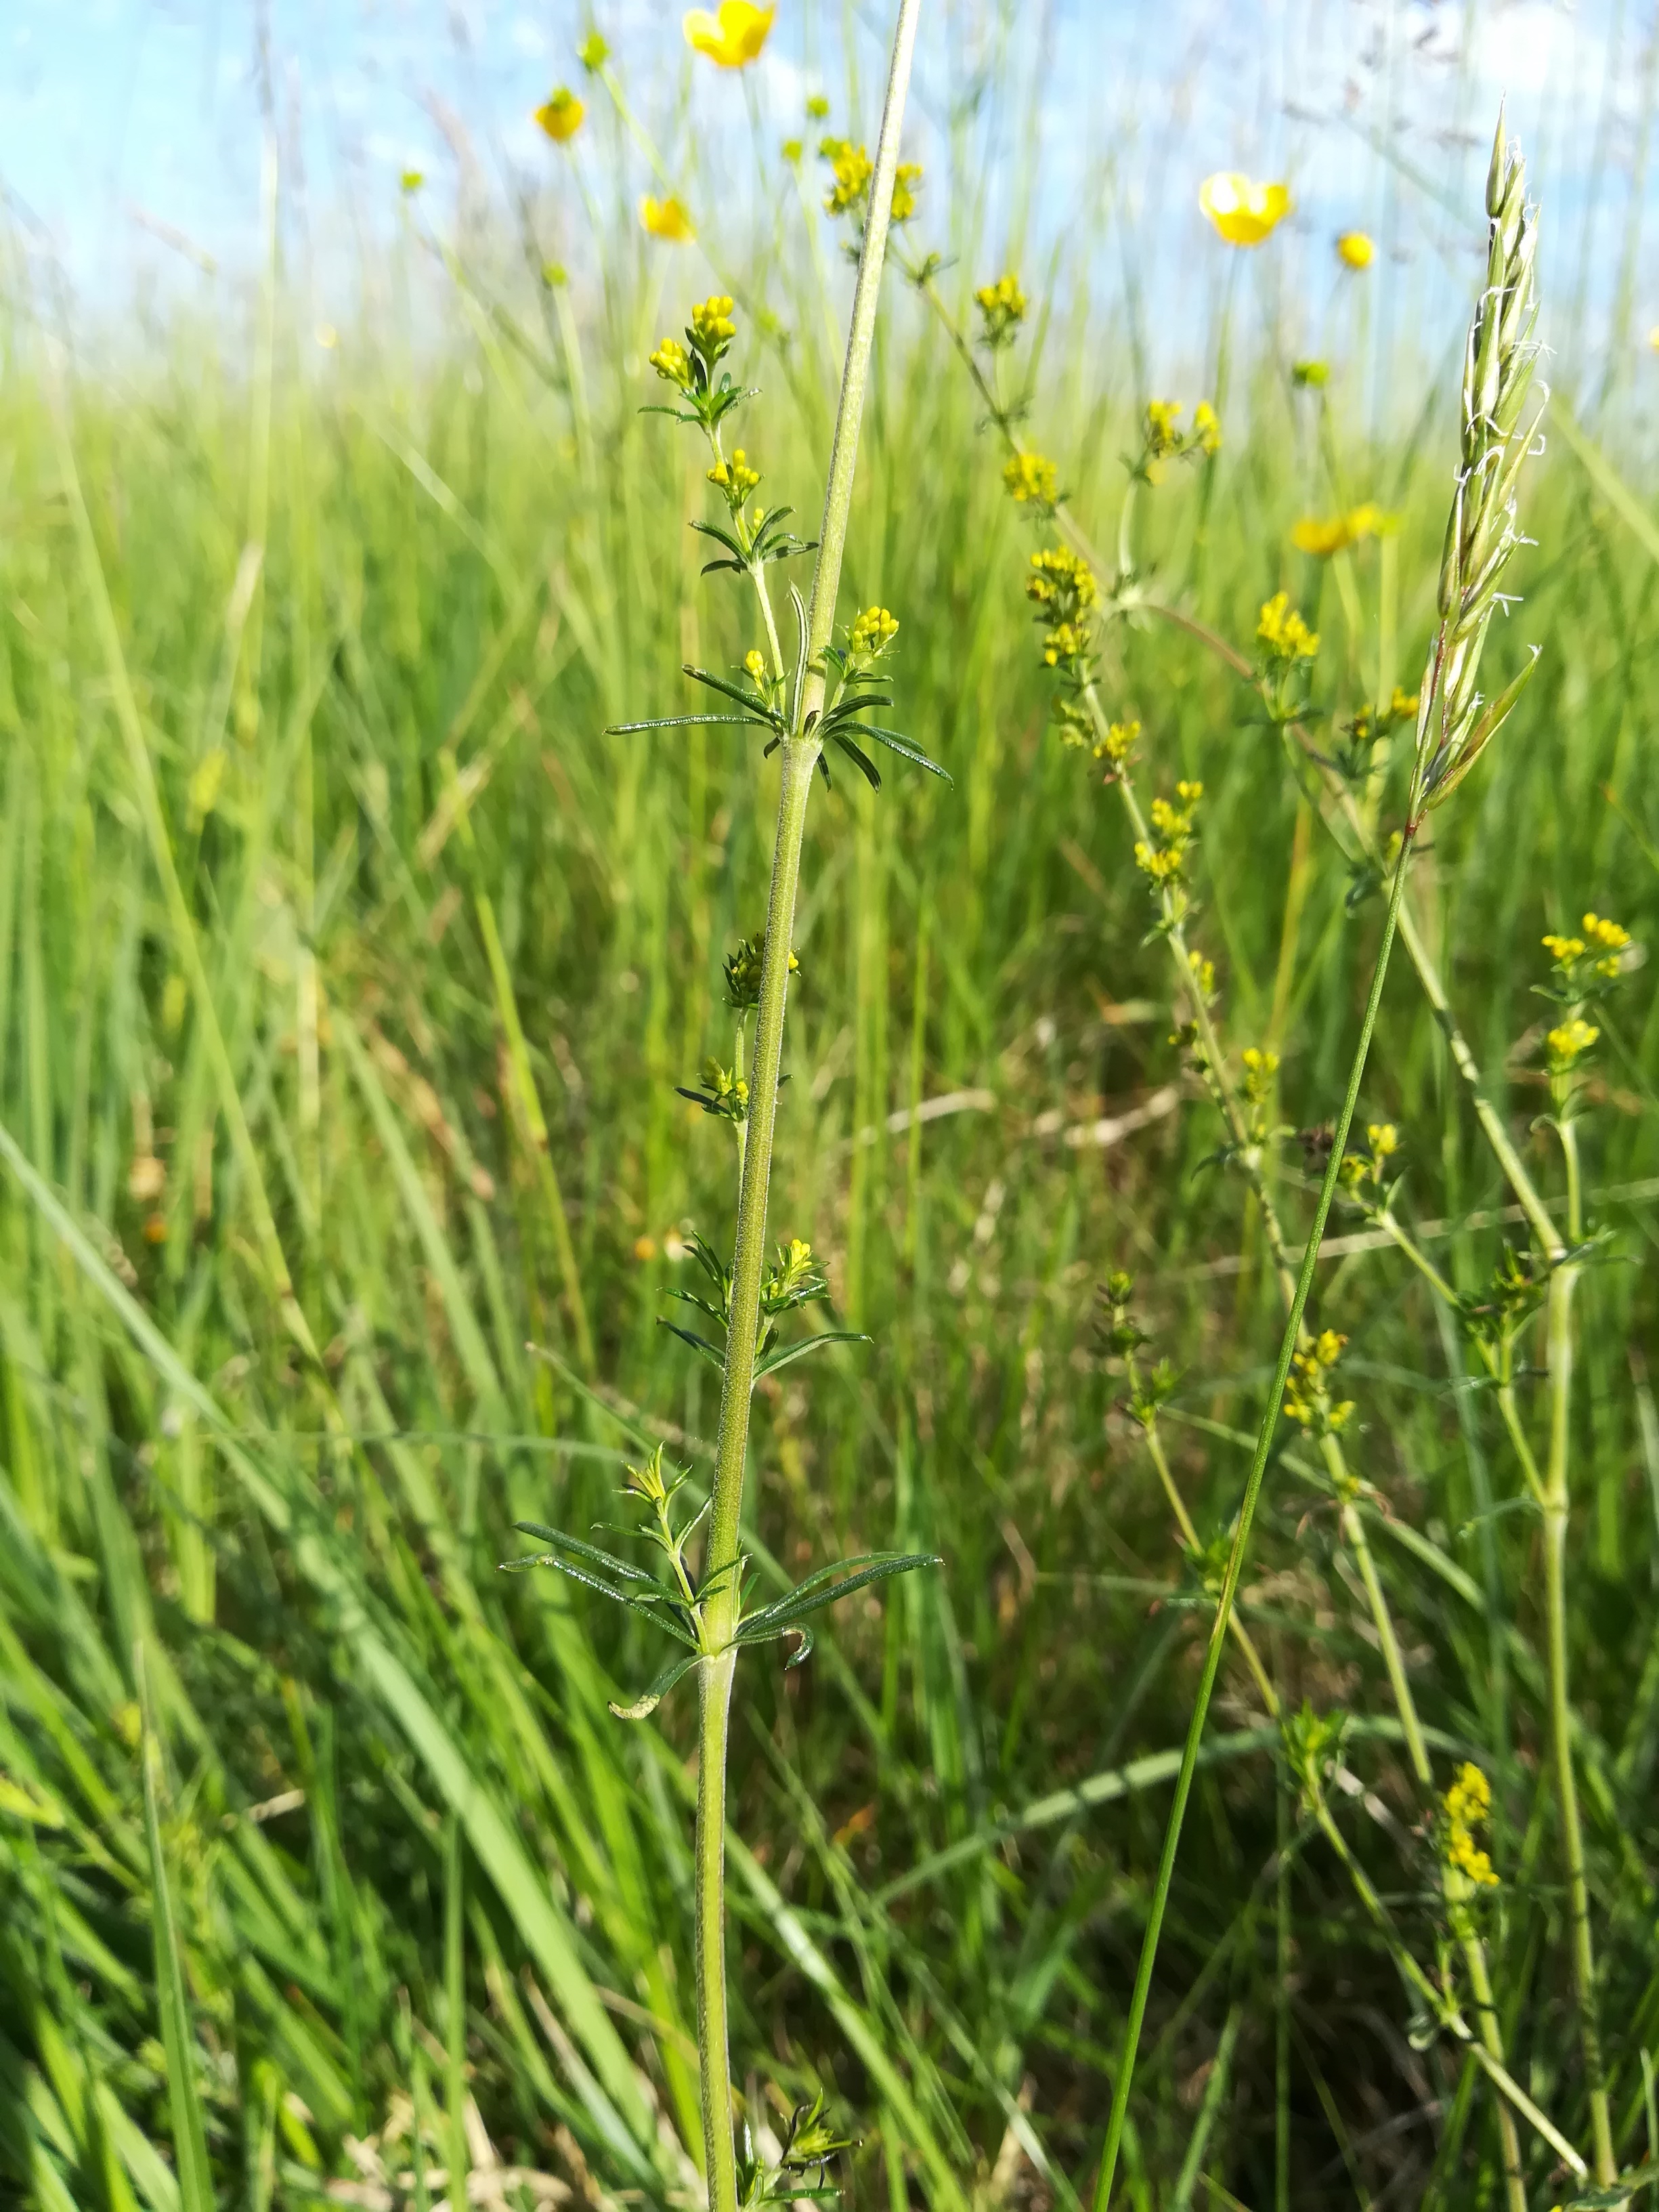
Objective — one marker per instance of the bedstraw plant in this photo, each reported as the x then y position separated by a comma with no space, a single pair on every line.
811,707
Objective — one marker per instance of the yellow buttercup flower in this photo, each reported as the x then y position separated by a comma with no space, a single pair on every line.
730,35
1341,531
667,219
560,115
1243,211
1356,249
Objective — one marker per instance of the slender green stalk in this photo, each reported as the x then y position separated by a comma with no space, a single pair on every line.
1344,1484
1559,1338
800,759
1240,1541
1436,2002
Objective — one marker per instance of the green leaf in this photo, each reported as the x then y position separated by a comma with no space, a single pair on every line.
758,707
821,1589
659,1688
860,759
592,1553
711,1353
786,1354
177,2036
895,742
1610,2199
682,721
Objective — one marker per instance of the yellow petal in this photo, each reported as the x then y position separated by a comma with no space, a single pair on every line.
731,36
667,219
1321,539
560,115
1243,211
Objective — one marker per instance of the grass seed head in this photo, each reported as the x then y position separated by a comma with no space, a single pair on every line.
1497,433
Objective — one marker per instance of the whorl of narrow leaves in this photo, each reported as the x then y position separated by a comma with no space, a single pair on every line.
1454,723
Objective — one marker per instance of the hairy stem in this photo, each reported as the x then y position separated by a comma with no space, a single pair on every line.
1240,1544
800,758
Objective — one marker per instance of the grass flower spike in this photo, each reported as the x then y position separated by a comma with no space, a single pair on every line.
732,34
1455,721
560,115
1451,729
1242,212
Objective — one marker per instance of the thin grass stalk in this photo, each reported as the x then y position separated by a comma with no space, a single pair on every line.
799,753
1236,1556
1556,1501
1343,1482
1454,725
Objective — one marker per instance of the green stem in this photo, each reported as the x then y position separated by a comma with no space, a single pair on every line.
1558,1324
800,758
1240,1541
1436,2002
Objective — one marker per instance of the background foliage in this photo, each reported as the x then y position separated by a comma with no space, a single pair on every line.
420,1885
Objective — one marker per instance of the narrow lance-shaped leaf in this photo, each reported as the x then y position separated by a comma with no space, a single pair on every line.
177,2036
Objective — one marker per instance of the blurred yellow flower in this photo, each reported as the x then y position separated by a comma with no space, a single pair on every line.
1356,249
730,35
412,179
1243,212
1335,536
560,114
667,219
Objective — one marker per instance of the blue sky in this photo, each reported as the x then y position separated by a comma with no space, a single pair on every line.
130,130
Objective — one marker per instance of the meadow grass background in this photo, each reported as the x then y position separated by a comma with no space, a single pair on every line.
425,1886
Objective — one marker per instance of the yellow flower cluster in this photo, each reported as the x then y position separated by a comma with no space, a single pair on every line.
851,169
1002,308
1359,1171
794,1265
1118,744
711,326
1308,1396
743,971
1163,862
735,478
1282,630
1468,1803
1260,1068
1203,975
1162,441
1568,1044
1062,588
1162,436
1356,249
672,363
871,633
1060,579
560,115
1370,723
754,667
906,178
1030,478
1335,535
1603,939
